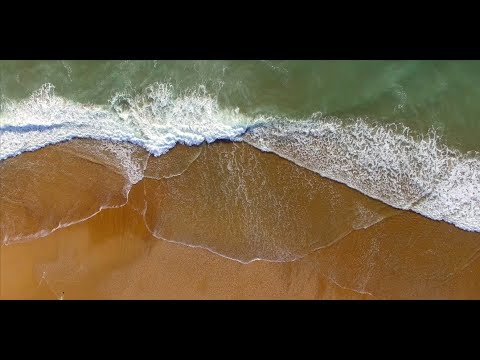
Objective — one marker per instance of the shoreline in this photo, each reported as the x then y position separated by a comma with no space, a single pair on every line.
233,199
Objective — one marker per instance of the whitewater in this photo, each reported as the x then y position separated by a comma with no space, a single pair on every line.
388,162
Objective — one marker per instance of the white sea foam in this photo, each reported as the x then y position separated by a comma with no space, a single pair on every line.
385,162
156,119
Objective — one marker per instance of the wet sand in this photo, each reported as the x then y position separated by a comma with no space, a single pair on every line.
322,239
114,264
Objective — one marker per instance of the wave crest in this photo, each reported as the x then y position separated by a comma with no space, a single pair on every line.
155,119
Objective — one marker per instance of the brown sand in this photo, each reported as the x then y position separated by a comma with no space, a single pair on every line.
113,255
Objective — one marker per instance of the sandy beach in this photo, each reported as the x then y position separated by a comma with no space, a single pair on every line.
219,221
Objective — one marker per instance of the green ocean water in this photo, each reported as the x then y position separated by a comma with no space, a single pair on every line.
420,94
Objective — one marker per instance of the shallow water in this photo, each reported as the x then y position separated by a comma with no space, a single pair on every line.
401,132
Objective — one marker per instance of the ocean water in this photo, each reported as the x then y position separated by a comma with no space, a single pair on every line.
403,132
